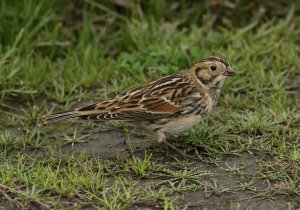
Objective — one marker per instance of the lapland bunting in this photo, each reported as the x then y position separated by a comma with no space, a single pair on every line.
168,105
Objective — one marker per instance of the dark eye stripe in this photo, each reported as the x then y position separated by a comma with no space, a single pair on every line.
198,69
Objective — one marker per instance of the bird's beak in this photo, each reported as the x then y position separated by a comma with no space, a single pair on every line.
229,72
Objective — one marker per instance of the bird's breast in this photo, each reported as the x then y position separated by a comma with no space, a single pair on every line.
205,106
181,123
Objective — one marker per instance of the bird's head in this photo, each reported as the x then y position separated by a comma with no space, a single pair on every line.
213,71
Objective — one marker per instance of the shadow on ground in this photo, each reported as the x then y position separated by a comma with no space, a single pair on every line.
109,145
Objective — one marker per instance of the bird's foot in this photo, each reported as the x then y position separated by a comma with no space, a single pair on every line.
179,151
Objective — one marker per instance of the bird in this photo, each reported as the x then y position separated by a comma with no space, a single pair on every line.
168,105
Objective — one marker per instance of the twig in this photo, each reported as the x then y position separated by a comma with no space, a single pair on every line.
32,200
18,91
11,200
40,204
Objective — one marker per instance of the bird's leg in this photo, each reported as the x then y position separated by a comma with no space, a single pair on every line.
162,139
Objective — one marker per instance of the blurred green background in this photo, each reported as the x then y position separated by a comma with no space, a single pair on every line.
58,49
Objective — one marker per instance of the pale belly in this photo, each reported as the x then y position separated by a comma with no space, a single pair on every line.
184,122
180,124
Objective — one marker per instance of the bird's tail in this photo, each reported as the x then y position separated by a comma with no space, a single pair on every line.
59,116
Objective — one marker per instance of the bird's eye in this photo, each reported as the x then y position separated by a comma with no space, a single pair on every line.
213,67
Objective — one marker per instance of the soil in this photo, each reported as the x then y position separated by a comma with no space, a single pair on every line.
113,144
103,143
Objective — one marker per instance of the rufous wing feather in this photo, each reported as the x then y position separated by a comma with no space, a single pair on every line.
160,98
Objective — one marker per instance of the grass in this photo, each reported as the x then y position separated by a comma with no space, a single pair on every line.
54,56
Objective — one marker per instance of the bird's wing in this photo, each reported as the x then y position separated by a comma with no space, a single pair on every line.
162,98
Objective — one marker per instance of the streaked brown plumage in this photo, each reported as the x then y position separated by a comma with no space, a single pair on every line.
168,105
